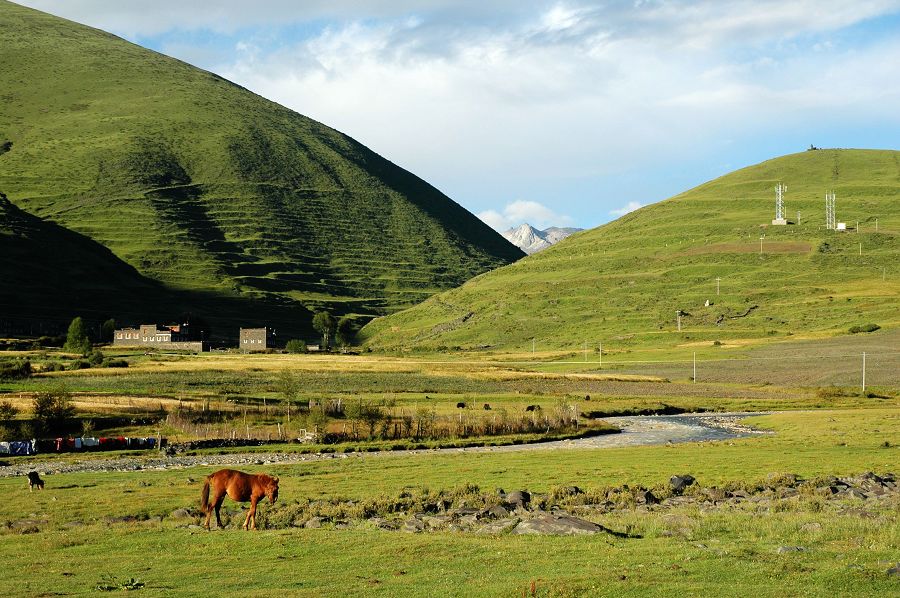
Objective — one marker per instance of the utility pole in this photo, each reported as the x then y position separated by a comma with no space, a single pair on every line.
717,285
864,372
860,249
760,244
798,217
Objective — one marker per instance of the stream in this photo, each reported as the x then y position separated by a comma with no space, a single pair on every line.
637,430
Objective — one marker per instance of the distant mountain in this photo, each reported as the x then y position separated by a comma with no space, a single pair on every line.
202,186
531,240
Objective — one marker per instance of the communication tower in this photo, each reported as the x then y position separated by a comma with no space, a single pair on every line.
779,220
830,221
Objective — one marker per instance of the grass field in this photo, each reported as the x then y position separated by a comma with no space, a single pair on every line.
76,533
621,284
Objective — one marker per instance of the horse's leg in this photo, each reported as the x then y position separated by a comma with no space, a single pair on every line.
251,514
218,505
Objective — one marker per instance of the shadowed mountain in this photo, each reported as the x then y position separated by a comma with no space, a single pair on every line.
206,187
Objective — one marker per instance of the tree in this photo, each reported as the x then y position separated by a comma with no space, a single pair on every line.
52,411
77,340
108,330
345,331
323,322
295,346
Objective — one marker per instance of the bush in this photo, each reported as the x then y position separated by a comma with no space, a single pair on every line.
8,410
52,411
864,328
80,364
115,363
295,346
15,370
54,366
96,357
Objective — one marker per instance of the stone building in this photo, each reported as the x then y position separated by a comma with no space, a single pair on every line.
177,336
256,339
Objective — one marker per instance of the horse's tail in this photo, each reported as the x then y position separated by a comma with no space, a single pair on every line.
204,496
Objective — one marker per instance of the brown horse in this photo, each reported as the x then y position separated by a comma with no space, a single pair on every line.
240,487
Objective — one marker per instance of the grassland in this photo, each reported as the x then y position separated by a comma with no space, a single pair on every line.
210,190
621,284
88,528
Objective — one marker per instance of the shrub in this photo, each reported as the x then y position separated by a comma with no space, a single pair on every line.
8,410
96,357
295,346
52,410
864,328
15,370
80,364
115,363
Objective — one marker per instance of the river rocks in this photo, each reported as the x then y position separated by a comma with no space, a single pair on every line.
680,482
554,525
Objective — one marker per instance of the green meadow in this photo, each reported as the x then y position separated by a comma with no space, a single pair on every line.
95,529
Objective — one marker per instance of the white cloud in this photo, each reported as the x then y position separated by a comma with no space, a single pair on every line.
521,211
519,98
629,207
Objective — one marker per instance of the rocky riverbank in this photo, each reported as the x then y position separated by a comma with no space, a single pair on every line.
635,431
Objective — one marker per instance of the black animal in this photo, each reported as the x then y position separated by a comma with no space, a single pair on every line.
34,480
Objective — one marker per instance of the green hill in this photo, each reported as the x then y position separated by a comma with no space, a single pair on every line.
623,282
206,187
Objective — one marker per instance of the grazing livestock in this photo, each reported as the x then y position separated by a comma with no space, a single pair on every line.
241,487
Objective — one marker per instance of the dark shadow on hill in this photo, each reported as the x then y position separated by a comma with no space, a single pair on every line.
51,274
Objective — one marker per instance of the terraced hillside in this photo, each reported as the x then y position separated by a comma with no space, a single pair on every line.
622,283
203,186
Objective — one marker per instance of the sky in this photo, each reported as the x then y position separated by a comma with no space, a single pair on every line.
553,113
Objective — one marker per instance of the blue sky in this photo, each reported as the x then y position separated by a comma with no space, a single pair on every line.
555,113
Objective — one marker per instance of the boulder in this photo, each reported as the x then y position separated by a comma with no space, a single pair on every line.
787,549
645,497
495,512
501,526
557,526
894,571
313,523
680,482
518,498
413,526
181,514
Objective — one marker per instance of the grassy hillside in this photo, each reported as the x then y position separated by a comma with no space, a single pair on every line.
203,186
621,284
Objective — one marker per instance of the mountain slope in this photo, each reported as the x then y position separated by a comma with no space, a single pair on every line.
623,282
204,186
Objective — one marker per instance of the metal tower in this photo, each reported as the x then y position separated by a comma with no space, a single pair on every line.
779,201
830,220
